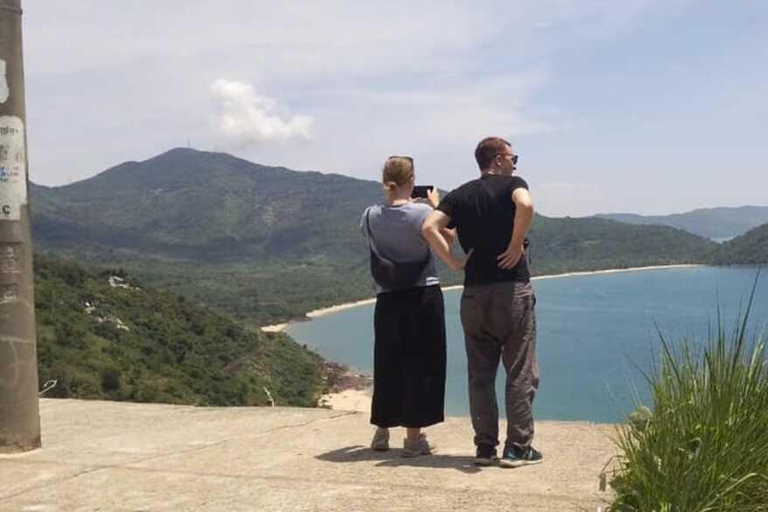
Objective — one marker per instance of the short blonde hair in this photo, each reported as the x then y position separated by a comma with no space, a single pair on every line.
397,171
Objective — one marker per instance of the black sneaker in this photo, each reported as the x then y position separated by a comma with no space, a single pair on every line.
485,455
516,457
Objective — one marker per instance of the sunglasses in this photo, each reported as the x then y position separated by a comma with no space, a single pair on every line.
398,156
514,157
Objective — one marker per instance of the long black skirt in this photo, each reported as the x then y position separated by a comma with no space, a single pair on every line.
409,358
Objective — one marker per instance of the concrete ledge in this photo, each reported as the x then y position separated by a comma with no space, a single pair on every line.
112,456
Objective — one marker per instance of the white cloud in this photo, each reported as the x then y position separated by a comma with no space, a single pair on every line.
245,118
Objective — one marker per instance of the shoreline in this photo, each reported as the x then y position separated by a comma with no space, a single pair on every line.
355,398
316,313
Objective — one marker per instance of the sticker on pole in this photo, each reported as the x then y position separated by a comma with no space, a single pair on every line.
13,168
4,90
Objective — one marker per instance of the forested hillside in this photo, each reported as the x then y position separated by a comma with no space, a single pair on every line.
564,245
103,335
751,248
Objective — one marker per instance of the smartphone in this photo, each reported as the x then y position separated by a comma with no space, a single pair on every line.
421,190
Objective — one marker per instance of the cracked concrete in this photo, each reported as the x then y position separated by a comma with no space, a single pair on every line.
112,456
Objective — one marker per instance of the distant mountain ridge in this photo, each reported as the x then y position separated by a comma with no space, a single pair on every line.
714,223
751,248
269,243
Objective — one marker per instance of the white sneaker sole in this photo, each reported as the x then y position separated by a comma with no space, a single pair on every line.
518,463
409,454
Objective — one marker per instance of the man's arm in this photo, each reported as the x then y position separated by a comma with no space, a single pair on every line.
523,220
433,232
448,234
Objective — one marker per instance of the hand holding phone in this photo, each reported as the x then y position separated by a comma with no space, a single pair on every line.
420,191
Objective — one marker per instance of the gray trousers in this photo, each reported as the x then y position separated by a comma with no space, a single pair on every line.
499,323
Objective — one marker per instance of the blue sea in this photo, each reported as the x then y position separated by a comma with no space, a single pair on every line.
597,334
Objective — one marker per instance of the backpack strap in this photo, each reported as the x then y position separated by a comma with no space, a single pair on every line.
369,236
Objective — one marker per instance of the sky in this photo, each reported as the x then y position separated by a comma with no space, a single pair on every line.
640,106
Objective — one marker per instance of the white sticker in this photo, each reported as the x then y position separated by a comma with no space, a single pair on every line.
13,168
4,91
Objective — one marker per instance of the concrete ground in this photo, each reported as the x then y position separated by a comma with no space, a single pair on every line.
109,456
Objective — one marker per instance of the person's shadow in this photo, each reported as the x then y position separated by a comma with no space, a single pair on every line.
392,458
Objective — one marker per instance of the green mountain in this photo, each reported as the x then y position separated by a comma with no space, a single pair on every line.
198,206
751,248
102,335
575,244
268,243
714,223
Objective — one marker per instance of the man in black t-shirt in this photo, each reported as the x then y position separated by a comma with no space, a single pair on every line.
492,215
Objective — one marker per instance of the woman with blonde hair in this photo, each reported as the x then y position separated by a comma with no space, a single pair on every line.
409,319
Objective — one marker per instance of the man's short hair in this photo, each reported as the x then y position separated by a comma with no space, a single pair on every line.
487,150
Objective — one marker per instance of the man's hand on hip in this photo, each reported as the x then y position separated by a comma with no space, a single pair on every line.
509,258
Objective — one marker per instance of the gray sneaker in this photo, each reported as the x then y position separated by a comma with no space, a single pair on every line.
420,447
380,441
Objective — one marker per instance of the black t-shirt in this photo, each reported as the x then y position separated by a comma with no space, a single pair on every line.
483,214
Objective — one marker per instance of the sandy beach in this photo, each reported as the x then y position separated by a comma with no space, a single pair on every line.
341,307
275,328
348,400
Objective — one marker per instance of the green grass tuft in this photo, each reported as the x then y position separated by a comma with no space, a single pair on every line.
704,447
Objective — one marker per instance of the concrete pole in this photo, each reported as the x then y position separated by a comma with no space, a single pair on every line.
19,403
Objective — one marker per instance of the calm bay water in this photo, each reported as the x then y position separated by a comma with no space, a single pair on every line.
596,334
